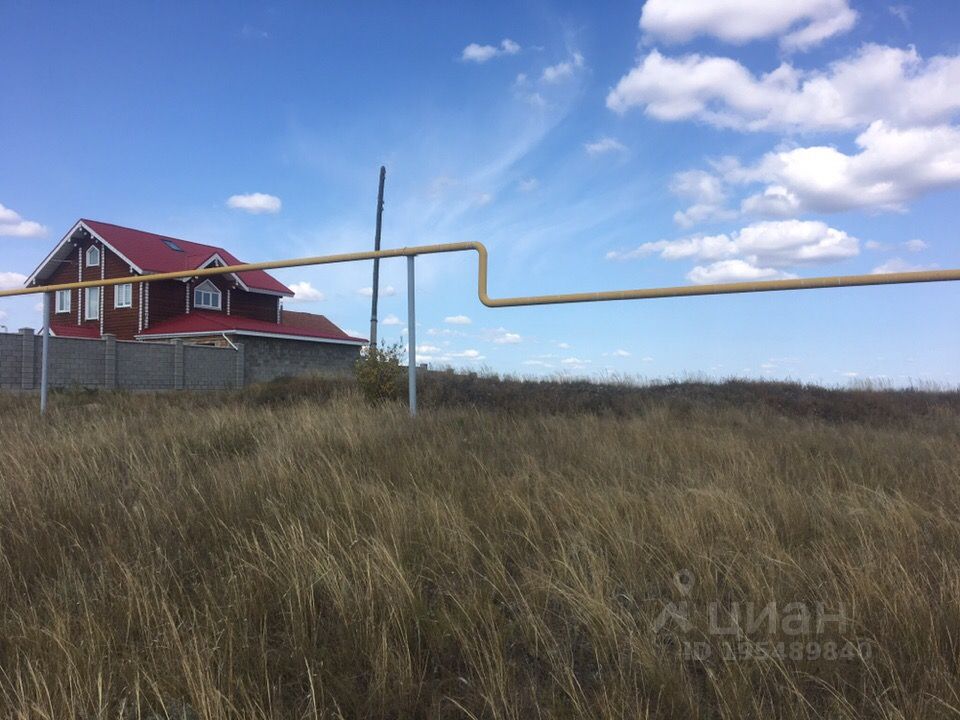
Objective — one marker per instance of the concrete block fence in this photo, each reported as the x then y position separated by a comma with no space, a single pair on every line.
111,364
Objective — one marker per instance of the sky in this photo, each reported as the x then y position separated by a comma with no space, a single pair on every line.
590,146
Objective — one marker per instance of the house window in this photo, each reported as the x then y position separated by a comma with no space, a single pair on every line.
123,295
93,256
91,301
63,301
206,295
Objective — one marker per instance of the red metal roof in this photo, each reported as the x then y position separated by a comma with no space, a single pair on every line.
75,331
150,253
201,322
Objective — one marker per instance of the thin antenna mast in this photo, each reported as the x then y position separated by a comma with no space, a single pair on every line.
376,261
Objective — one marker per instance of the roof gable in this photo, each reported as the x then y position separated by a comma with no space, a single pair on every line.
149,252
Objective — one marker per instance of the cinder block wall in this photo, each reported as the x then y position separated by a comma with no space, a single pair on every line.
108,364
269,358
113,364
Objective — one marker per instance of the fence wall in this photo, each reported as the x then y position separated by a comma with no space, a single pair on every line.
110,364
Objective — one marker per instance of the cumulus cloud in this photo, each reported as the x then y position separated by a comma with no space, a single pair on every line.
603,146
388,291
574,362
915,245
621,353
12,225
255,203
892,167
501,336
305,292
725,271
11,280
769,244
898,265
457,320
474,52
708,193
390,319
850,93
562,70
799,24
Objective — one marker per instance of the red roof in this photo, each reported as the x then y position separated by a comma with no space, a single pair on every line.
201,322
75,331
151,253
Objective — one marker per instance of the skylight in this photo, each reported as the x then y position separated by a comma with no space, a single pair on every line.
172,245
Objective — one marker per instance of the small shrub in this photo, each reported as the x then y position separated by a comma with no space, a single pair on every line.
379,373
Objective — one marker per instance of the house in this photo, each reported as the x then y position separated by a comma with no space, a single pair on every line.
219,310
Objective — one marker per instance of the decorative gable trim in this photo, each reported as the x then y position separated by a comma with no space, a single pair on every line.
66,239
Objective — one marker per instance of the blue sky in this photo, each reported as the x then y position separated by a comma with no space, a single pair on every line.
605,147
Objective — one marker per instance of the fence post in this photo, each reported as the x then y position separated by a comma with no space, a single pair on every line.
27,358
110,361
45,357
238,380
178,364
412,337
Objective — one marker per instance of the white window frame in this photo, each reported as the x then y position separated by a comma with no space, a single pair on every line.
90,250
63,307
123,295
91,303
207,288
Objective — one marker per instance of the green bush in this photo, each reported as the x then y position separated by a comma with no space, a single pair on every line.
380,375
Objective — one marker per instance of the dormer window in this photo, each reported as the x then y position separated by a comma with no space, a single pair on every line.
93,256
206,295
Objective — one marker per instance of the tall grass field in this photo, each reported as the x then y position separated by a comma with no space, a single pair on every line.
520,550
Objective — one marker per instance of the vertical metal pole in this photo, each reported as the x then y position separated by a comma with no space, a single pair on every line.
45,357
376,261
412,338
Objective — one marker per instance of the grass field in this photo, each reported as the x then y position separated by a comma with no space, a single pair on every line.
520,551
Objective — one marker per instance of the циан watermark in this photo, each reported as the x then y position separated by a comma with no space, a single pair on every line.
797,630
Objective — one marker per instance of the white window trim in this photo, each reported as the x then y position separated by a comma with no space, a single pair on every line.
91,310
61,294
208,288
93,248
128,289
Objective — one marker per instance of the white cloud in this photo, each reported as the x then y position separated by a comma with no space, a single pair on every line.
892,167
11,280
876,83
428,349
621,353
482,199
467,354
915,245
501,336
799,23
528,185
255,203
725,271
477,53
388,291
563,345
538,363
390,319
563,70
708,194
305,292
574,362
897,265
457,320
603,146
776,244
12,225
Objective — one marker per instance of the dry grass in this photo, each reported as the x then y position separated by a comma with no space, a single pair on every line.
294,553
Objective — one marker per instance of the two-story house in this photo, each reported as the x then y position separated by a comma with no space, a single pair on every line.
214,310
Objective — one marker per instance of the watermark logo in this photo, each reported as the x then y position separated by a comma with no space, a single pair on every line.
799,630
